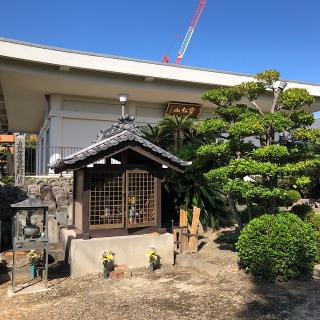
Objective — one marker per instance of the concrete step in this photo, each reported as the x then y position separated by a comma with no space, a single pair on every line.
191,261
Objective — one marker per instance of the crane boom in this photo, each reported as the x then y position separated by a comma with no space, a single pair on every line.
190,31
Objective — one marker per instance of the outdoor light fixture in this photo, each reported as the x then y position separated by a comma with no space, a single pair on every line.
123,100
280,85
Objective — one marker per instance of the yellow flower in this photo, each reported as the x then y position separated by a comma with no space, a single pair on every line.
110,257
107,257
152,254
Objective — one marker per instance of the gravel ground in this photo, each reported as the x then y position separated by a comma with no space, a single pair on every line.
171,292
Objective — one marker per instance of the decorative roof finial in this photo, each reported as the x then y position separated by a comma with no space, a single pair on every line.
125,122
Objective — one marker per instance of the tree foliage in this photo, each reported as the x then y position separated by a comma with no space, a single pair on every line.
255,154
295,99
268,78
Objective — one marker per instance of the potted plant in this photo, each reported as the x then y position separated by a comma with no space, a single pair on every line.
33,258
107,259
152,257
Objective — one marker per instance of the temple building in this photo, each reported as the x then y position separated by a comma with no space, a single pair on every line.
65,96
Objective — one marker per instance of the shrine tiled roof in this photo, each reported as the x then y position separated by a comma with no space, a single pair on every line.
125,131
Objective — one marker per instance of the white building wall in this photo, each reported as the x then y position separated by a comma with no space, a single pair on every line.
81,132
75,122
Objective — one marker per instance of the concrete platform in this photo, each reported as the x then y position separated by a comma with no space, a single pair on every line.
129,250
27,289
189,261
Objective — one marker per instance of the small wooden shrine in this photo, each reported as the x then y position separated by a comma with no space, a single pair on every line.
117,182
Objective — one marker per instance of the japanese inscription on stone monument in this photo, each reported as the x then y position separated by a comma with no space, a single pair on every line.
19,159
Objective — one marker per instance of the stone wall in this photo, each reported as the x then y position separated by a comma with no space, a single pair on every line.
9,194
55,192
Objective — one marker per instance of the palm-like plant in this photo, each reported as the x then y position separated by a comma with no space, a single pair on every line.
179,134
178,127
192,189
155,134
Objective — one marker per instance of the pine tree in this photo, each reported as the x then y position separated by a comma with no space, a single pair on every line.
258,154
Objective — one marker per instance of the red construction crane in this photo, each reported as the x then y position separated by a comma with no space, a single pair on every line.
189,33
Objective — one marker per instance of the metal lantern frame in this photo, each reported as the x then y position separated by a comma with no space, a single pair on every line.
24,243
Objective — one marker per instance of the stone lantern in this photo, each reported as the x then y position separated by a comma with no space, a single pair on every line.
30,232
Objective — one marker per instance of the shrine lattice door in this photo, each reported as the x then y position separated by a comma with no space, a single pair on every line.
140,198
122,200
107,205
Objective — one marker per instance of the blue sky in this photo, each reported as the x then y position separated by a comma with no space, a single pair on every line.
245,36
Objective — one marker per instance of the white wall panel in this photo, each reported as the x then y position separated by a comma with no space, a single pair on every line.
113,110
81,133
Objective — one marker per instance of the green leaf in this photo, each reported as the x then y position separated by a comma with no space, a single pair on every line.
272,153
295,98
224,96
211,126
268,77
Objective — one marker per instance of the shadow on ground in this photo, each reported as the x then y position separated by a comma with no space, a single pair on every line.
59,270
4,276
227,240
294,300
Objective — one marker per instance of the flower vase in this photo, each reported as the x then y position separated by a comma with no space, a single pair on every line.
33,271
151,267
107,268
106,272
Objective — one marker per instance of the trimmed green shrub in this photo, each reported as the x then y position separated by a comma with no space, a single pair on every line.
318,246
293,196
314,221
302,211
279,246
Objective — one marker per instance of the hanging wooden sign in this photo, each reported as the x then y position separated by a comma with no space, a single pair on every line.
183,109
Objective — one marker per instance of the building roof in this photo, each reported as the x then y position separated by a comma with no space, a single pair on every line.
29,72
124,134
110,63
